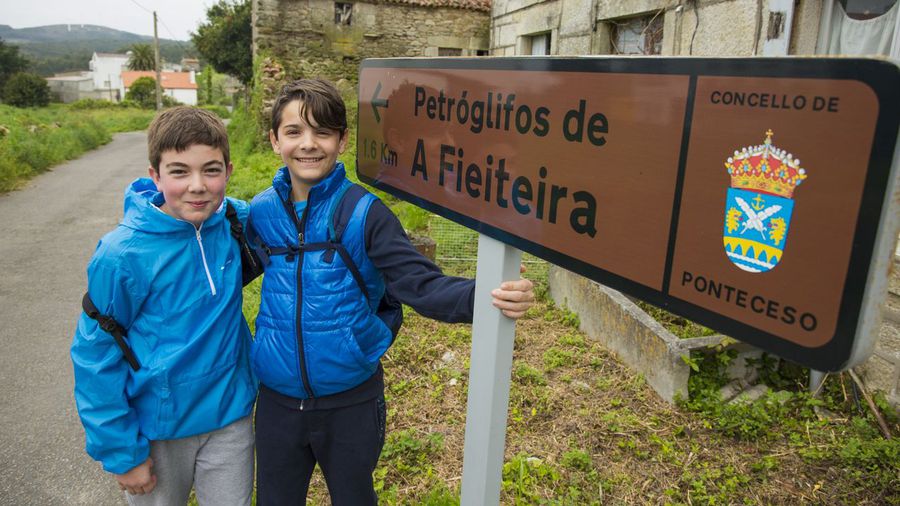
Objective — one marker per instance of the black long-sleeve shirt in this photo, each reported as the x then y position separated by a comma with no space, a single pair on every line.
412,278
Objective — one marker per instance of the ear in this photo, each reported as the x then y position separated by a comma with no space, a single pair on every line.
274,141
345,136
154,175
228,170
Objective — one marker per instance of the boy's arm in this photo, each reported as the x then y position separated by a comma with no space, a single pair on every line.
110,423
418,282
412,278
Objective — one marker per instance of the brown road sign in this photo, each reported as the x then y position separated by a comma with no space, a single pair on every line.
746,194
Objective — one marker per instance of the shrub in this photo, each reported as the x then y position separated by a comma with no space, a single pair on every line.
26,90
143,92
94,103
219,110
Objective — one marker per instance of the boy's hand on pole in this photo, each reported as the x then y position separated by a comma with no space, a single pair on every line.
514,298
138,481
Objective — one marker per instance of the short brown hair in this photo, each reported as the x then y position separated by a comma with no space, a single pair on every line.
321,101
181,127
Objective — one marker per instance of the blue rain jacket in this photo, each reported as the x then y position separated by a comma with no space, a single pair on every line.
316,333
177,289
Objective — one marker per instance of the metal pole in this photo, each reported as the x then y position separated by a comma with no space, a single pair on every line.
815,380
489,376
156,64
824,38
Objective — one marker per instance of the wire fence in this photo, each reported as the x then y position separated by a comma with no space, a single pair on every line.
457,250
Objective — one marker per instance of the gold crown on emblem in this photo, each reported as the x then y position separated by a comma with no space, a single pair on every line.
765,168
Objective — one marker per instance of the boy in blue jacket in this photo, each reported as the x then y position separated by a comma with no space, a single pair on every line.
176,413
322,326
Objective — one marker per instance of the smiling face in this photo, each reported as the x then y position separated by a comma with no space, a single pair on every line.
308,150
192,182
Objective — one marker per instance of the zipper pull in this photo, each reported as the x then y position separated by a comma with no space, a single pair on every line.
300,238
301,404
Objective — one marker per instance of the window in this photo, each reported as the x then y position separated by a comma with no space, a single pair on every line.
640,35
342,13
540,44
866,9
449,51
481,52
860,27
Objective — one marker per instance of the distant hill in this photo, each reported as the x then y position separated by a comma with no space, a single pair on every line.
61,48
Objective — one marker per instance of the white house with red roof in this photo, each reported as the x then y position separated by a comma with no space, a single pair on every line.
182,86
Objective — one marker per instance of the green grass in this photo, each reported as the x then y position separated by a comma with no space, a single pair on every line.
33,140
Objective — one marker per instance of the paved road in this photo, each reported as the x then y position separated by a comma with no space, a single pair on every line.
47,234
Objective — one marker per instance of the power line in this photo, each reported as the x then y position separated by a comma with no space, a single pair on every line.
141,6
159,18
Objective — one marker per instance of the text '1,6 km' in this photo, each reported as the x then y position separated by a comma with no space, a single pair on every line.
751,195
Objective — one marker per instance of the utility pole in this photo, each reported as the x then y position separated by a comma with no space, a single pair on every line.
158,78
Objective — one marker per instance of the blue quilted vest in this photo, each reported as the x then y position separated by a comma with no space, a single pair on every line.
317,333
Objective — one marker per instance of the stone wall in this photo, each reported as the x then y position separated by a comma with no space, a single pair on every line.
302,34
725,28
882,370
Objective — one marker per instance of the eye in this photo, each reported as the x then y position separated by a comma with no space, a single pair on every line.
324,133
213,171
177,172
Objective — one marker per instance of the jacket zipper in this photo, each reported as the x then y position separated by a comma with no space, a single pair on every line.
212,286
299,224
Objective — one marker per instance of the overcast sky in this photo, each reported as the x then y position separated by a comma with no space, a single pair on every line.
177,17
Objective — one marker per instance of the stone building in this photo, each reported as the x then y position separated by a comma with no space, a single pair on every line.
693,27
73,86
329,38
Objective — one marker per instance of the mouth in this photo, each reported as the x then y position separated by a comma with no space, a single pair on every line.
310,159
198,205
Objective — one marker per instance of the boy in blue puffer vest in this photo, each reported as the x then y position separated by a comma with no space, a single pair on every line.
170,407
322,326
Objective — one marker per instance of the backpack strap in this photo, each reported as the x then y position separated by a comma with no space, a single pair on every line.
111,326
251,266
389,310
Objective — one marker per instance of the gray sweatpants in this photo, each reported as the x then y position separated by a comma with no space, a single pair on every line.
218,464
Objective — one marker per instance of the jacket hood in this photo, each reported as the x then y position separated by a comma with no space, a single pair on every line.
324,188
143,211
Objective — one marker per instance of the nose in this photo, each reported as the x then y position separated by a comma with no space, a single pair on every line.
307,141
197,184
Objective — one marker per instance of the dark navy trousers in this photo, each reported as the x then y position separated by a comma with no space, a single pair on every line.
291,439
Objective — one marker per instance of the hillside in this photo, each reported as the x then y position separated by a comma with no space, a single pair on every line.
60,48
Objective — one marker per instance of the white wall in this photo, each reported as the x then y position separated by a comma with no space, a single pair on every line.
107,71
186,97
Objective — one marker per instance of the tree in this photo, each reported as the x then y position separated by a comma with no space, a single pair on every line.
211,87
143,92
142,57
10,62
225,40
26,90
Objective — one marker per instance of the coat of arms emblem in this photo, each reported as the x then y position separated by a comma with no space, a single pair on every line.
759,205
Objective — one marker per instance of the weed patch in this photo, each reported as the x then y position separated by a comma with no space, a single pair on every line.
33,140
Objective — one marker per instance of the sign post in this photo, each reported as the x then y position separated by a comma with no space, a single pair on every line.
755,196
489,376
